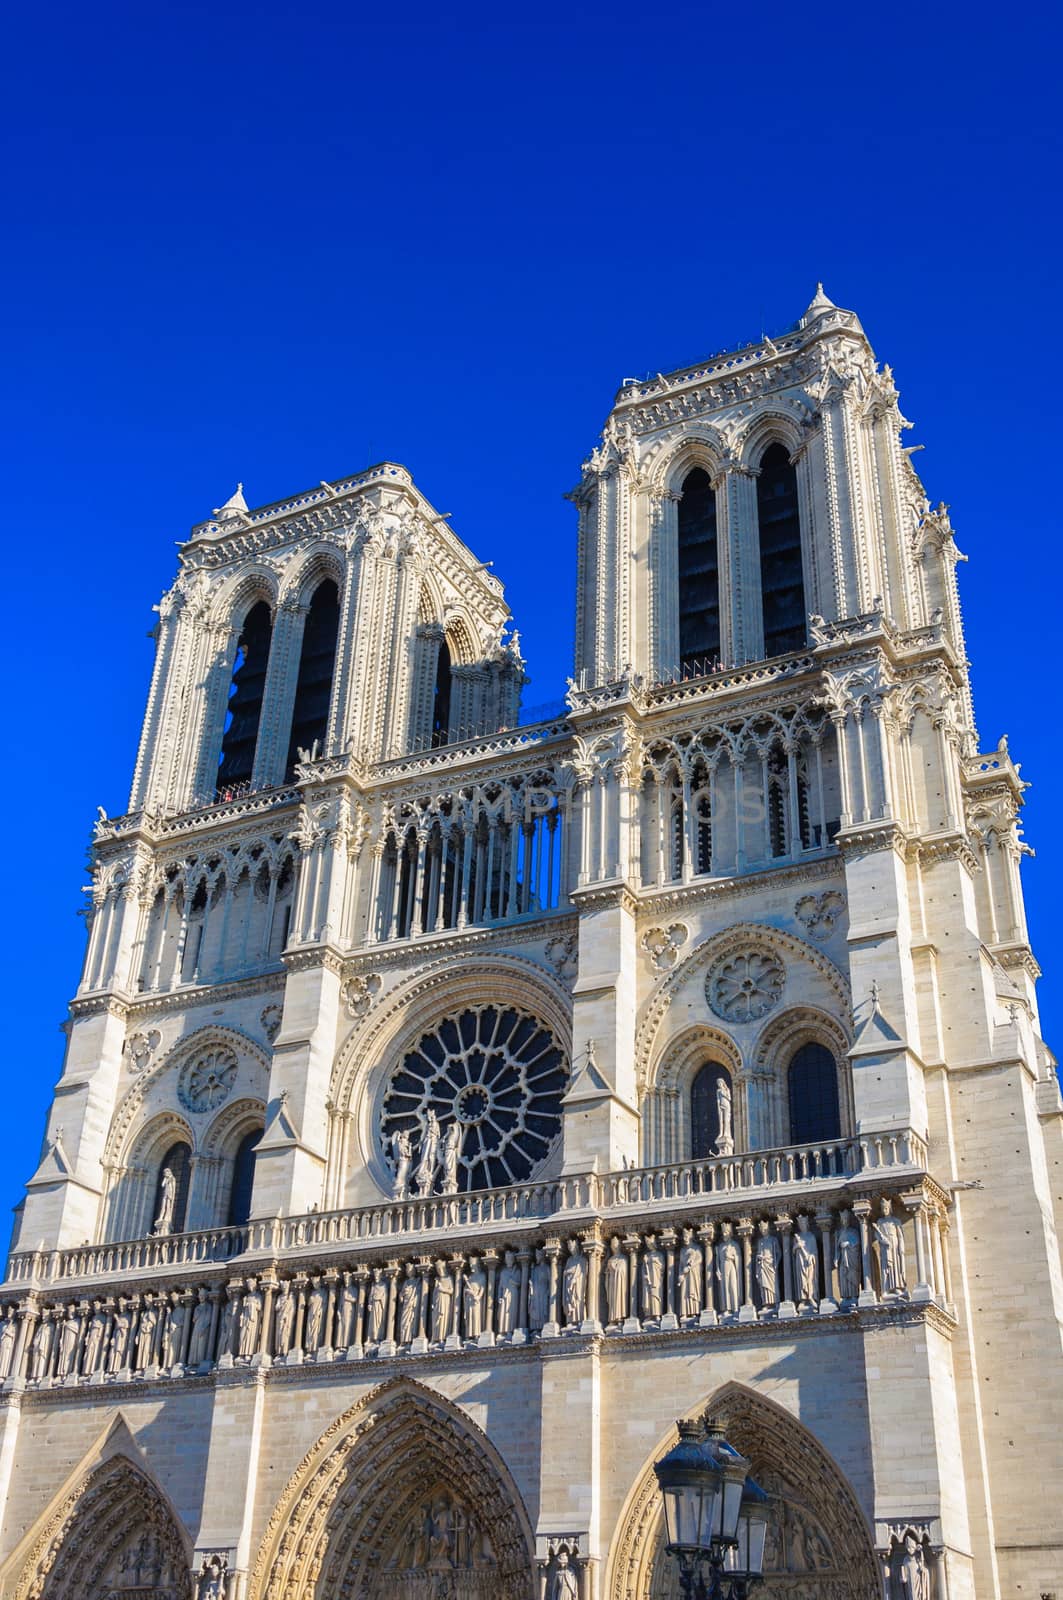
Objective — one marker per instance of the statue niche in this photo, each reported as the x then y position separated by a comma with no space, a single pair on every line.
442,1554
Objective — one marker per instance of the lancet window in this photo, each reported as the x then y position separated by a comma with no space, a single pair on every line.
782,584
812,1092
705,1099
243,1178
178,1162
441,696
317,663
699,580
244,712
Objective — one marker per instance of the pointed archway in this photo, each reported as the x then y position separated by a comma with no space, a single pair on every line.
403,1495
819,1543
113,1533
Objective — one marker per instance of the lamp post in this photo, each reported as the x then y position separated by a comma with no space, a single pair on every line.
716,1516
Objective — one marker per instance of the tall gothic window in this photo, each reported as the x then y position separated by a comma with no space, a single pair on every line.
178,1159
704,1110
243,1178
245,697
317,661
699,576
782,584
441,696
812,1088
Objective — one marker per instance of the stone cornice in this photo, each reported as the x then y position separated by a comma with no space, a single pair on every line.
414,952
605,896
654,901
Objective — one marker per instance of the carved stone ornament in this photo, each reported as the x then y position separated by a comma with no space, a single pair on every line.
140,1047
563,955
207,1079
745,986
818,913
271,1021
663,945
358,993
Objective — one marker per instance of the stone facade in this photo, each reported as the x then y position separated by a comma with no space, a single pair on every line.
452,1103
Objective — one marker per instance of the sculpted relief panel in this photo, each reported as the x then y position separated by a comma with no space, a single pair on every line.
442,1554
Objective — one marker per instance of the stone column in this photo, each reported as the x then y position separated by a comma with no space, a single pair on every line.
783,1227
707,1236
744,1230
827,1304
867,1295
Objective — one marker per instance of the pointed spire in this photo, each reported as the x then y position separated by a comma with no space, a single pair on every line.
235,506
820,304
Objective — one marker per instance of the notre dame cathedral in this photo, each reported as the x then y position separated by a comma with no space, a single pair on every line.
454,1100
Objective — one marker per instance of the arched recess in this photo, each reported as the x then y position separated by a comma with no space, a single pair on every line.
227,1163
133,1198
819,1543
450,1501
774,1051
666,1103
317,670
114,1531
782,583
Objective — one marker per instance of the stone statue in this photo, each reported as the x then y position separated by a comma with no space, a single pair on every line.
250,1321
442,1302
539,1292
689,1276
8,1339
913,1570
806,1264
315,1315
508,1294
652,1280
409,1304
729,1271
425,1176
449,1159
348,1305
725,1143
889,1236
92,1358
167,1201
283,1321
402,1155
575,1285
211,1581
616,1276
766,1256
68,1344
149,1322
378,1306
474,1295
118,1357
199,1339
228,1325
174,1335
847,1258
41,1346
564,1584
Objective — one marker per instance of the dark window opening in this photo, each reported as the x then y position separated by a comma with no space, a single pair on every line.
178,1159
441,696
812,1085
699,577
245,698
317,662
704,1110
243,1179
782,584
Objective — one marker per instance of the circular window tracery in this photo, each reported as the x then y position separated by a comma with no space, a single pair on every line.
496,1072
207,1078
746,985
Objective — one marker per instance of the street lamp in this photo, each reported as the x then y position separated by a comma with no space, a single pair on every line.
715,1515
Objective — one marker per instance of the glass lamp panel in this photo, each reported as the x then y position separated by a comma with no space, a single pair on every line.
734,1483
758,1536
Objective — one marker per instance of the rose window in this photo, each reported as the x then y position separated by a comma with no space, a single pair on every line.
743,987
499,1074
207,1078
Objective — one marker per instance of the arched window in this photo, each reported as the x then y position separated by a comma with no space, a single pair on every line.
812,1087
245,698
441,696
699,576
782,584
705,1110
317,661
243,1178
178,1159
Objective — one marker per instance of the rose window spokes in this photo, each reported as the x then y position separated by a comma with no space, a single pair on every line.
207,1078
743,987
477,1103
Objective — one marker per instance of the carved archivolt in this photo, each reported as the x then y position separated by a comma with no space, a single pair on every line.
677,1064
114,1532
819,1543
376,1485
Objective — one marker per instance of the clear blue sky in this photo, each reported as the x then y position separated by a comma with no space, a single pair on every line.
268,243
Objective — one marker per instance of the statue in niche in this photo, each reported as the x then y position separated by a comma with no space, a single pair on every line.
174,1335
250,1320
539,1292
766,1256
167,1201
652,1280
575,1285
689,1277
68,1344
315,1314
409,1304
348,1305
211,1582
402,1155
508,1294
806,1264
92,1358
143,1562
378,1306
199,1339
8,1339
912,1569
41,1346
564,1584
425,1176
889,1237
149,1322
118,1357
442,1301
725,1143
283,1320
473,1297
847,1258
448,1160
228,1324
616,1276
729,1271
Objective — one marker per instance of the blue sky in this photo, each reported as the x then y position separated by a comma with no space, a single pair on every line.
274,244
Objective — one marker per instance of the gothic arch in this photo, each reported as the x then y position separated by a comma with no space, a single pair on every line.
703,447
333,1532
819,1542
115,1527
234,600
665,1098
768,427
316,566
775,1047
